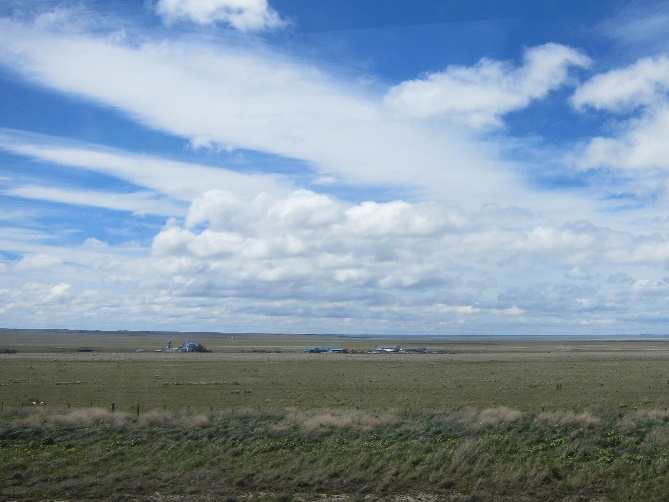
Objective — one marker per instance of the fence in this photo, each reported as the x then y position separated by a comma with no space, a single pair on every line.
134,409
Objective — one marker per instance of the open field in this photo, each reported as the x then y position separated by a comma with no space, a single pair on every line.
258,419
272,372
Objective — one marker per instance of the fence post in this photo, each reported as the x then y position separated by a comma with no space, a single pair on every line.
138,410
113,406
68,405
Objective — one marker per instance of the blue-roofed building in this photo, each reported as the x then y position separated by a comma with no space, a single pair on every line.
190,347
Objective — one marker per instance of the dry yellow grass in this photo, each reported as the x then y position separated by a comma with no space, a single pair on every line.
583,419
320,421
37,417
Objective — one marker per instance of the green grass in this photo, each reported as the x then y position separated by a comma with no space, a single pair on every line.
492,454
599,382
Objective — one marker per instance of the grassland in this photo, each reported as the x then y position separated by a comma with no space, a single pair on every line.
259,419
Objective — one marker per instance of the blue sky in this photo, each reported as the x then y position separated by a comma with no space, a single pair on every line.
409,167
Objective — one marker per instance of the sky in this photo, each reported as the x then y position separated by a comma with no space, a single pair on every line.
411,167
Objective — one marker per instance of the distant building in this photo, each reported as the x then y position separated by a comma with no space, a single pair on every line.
190,347
186,347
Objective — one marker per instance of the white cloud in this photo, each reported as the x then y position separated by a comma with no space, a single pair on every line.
402,218
483,250
641,145
232,96
380,249
513,311
640,142
641,84
139,203
479,96
41,294
243,15
181,180
37,262
320,271
579,274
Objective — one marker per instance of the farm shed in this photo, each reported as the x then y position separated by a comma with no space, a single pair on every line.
386,348
316,350
189,347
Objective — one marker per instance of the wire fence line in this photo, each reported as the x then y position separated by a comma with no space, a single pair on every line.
112,407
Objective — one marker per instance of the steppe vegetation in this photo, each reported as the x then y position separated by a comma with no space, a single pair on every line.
477,421
490,454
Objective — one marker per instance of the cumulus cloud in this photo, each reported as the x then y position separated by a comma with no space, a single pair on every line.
641,84
243,15
640,142
311,235
439,267
479,96
375,254
44,293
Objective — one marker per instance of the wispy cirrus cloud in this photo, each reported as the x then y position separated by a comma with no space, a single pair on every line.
181,181
138,203
263,101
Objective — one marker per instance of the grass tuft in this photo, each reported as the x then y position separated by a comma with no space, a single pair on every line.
315,422
181,420
40,417
569,418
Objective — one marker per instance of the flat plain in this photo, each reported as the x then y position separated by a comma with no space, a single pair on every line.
257,418
273,372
